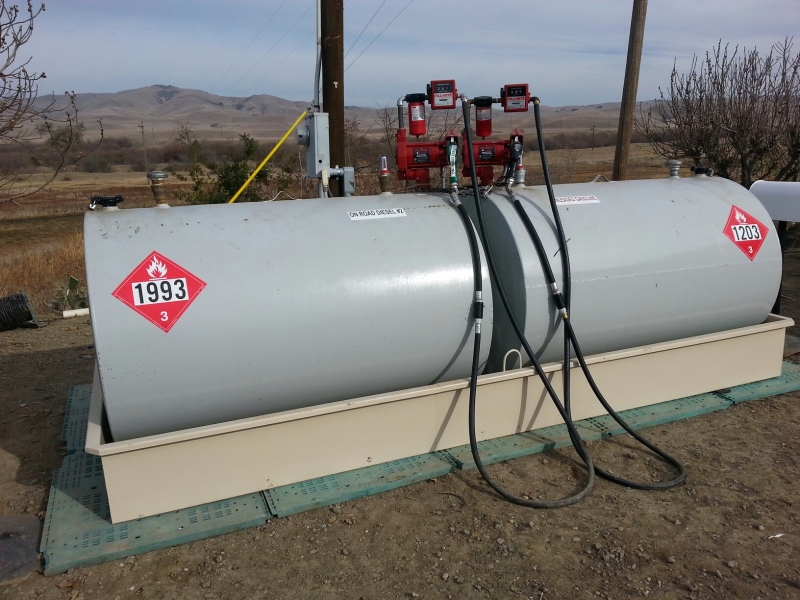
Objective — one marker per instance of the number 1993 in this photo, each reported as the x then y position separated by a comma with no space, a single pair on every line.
160,291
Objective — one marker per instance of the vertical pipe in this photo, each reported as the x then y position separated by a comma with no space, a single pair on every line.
629,89
776,308
332,13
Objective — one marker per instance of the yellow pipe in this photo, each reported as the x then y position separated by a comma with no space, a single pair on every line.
261,166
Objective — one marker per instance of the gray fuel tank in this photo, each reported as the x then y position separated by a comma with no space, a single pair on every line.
652,260
305,302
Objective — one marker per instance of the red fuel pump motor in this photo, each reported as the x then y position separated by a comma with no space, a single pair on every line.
415,158
488,154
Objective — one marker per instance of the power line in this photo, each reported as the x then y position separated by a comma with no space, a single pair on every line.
258,62
365,28
280,62
379,35
248,45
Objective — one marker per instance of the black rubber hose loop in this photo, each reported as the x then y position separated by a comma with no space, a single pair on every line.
571,340
15,310
577,442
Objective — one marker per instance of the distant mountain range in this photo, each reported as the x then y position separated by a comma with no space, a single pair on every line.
162,107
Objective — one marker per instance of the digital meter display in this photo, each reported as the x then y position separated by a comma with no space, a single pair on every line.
515,97
442,94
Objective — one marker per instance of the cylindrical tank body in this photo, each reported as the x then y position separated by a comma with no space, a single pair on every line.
305,302
650,262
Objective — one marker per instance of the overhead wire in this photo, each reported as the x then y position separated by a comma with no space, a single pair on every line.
410,2
260,31
259,61
365,28
280,62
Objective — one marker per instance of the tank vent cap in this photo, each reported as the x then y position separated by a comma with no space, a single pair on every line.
673,165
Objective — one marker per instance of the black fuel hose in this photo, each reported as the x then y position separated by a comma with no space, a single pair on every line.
575,437
570,339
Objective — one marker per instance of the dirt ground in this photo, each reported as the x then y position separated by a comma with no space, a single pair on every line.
733,531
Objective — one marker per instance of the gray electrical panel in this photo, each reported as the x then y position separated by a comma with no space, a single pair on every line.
314,135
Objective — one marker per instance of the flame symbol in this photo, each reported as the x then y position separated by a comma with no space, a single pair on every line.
157,269
740,217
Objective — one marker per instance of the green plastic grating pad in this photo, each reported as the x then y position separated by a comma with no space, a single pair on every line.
76,417
333,489
549,438
787,381
78,531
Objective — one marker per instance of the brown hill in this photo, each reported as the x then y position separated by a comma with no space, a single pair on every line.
162,107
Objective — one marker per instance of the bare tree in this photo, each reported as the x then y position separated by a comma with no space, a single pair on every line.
736,112
58,127
440,122
386,121
359,143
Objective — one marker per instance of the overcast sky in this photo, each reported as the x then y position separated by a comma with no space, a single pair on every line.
570,51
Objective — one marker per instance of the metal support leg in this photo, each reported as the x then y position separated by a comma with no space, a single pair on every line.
776,308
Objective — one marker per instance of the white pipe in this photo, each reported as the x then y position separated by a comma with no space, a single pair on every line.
78,312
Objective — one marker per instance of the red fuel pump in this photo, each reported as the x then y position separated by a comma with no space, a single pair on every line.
488,154
415,158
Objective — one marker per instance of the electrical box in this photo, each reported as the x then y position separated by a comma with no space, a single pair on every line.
348,181
515,97
314,135
442,94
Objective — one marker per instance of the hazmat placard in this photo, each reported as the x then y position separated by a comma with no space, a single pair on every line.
159,290
744,230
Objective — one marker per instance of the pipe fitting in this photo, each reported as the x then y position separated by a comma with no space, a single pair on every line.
158,185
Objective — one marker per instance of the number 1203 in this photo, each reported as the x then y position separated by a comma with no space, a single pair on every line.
159,291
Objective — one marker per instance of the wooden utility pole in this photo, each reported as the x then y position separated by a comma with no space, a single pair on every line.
629,89
144,147
332,30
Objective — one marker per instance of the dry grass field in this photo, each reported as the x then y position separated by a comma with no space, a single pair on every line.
41,241
41,238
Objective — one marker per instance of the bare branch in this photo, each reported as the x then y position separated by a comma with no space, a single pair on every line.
25,123
738,112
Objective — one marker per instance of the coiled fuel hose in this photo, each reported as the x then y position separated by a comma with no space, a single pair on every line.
570,340
575,437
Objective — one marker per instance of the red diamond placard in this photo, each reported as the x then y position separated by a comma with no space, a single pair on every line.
745,231
159,290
